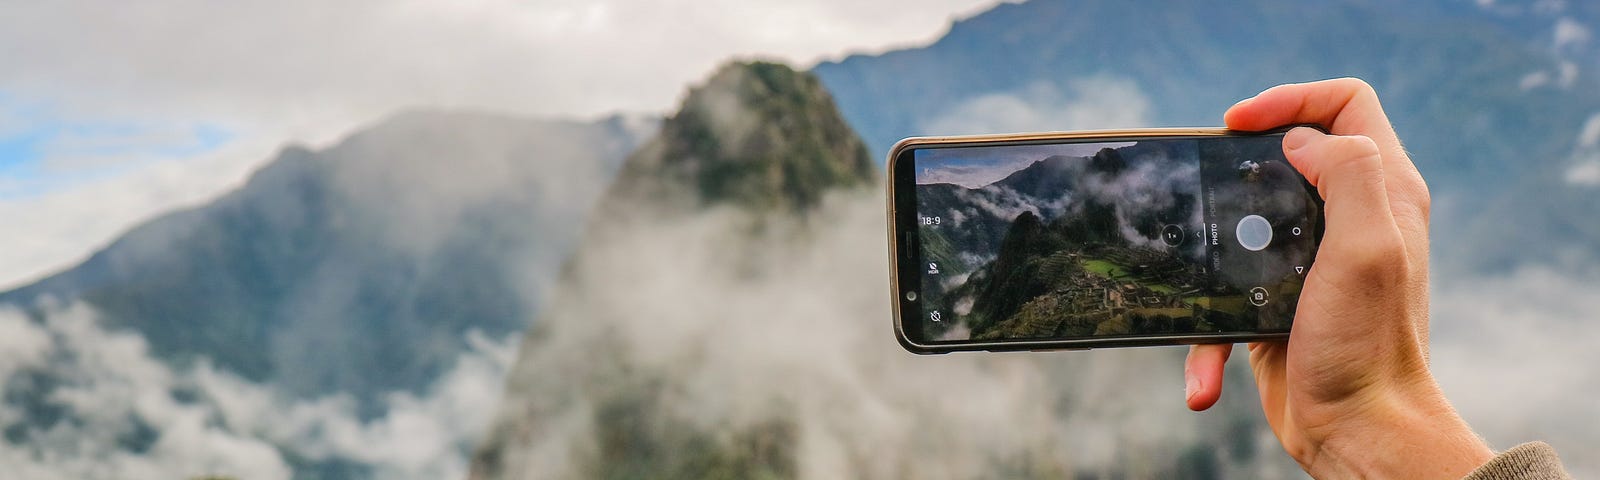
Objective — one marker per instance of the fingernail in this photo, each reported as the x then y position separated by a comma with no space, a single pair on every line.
1191,386
1297,137
1242,102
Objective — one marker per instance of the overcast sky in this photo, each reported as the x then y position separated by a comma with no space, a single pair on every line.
111,112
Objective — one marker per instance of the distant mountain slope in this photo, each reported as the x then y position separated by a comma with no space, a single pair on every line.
1480,94
359,268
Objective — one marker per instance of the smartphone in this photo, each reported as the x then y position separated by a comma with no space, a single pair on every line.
1074,240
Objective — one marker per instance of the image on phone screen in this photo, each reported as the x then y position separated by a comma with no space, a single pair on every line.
1110,238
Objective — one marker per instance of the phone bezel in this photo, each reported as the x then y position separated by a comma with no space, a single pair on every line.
903,239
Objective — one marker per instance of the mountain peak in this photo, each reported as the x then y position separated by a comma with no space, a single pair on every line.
757,134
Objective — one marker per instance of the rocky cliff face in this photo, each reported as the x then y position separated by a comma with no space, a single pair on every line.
756,135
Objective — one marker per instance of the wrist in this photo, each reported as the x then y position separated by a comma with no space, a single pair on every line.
1398,435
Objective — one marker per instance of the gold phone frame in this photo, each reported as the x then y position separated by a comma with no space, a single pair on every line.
896,291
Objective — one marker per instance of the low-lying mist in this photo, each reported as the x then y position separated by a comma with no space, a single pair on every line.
769,337
93,403
726,341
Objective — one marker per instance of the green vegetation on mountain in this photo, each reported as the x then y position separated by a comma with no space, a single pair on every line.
759,135
1046,282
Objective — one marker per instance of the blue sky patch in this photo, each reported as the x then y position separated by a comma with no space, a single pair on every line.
41,152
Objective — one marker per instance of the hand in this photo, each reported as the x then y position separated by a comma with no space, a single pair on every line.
1350,394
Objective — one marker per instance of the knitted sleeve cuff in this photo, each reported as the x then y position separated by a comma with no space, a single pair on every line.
1529,461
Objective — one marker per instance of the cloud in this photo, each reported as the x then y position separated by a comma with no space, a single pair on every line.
1585,169
1510,351
1590,135
108,385
1534,80
306,71
418,437
310,59
22,345
1566,74
89,149
1513,9
1570,33
197,420
1088,102
789,325
1585,173
1007,204
1563,75
52,230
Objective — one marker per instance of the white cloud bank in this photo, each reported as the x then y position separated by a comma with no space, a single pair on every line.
231,427
790,323
1515,355
802,332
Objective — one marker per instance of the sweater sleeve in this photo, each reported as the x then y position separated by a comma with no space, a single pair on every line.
1529,461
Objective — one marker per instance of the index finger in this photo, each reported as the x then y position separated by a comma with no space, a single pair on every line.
1345,106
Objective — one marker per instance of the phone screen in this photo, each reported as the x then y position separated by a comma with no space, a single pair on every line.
1105,239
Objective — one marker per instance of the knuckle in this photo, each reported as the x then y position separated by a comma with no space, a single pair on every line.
1378,260
1416,192
1360,144
1424,198
1357,86
1355,152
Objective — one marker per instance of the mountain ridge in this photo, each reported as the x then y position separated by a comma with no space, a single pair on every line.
363,236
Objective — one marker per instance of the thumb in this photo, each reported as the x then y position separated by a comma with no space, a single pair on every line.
1348,173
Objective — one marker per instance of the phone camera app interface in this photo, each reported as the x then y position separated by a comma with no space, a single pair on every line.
1072,240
